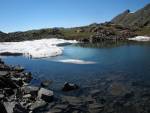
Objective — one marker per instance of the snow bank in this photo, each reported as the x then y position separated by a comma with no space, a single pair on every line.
75,61
140,38
36,48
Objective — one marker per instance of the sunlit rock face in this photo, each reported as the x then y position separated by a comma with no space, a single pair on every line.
140,38
36,48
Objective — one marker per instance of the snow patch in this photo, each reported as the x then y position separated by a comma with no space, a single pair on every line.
76,61
35,48
140,38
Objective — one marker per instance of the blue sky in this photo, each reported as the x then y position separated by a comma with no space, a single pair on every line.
20,15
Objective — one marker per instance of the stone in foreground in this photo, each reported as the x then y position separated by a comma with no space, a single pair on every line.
69,87
46,95
46,83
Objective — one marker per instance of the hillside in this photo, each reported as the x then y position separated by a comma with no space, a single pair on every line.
140,18
91,33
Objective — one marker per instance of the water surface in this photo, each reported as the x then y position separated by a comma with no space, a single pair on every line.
132,59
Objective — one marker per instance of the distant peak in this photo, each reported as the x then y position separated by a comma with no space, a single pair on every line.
139,18
147,6
127,11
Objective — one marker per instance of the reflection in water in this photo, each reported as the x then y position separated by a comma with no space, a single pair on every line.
111,44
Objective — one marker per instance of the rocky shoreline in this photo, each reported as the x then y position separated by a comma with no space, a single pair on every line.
110,94
17,95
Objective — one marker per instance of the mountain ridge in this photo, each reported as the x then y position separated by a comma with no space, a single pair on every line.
140,18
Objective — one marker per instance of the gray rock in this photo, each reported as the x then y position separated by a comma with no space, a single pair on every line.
33,90
76,111
9,106
18,68
4,73
1,96
37,105
117,89
20,109
27,96
68,87
46,95
74,101
61,106
96,108
55,110
46,83
95,92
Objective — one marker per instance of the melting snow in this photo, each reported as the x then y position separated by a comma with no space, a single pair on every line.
76,61
140,38
36,48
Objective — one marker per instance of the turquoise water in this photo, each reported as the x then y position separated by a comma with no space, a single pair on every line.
123,59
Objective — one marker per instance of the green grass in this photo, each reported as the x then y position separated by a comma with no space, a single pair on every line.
144,31
73,34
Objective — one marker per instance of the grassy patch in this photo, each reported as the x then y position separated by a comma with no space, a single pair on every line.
144,31
73,34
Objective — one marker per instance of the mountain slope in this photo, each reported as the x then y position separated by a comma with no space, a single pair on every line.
3,36
139,18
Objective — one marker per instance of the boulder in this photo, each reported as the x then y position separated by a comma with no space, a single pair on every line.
37,105
9,106
74,101
1,96
61,106
118,89
27,77
46,83
69,86
19,109
27,96
46,95
4,73
18,68
96,108
55,110
33,90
